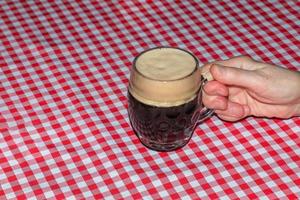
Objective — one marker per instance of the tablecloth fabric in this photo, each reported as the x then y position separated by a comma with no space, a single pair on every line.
64,128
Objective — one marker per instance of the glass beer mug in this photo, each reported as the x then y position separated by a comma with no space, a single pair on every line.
165,97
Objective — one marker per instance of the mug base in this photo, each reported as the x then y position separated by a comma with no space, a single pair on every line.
163,147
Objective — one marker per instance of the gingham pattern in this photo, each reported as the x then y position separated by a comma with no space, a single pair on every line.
65,134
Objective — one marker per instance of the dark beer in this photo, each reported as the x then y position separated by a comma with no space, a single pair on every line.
163,128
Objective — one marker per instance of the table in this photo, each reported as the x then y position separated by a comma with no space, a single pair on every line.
64,128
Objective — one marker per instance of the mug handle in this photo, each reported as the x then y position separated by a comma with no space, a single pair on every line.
202,113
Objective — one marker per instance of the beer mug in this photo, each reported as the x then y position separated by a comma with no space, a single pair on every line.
165,97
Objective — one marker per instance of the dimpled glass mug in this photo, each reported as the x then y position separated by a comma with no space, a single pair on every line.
165,97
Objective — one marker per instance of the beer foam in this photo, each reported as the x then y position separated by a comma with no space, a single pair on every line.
165,64
165,77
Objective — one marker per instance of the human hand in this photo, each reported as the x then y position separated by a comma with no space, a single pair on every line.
243,87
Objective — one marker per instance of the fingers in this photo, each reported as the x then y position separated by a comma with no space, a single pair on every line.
216,88
228,118
233,112
215,95
215,102
235,76
224,108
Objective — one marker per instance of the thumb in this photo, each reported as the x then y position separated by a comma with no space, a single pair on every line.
235,76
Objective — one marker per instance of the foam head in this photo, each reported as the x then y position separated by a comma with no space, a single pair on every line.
165,77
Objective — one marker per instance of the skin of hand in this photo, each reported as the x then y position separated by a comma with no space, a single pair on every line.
244,87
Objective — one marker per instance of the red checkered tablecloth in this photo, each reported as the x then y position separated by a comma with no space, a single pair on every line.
64,128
